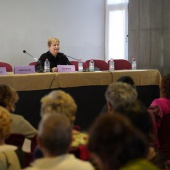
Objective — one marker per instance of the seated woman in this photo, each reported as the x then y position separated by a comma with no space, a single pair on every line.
164,101
160,113
61,102
116,144
11,157
53,55
8,98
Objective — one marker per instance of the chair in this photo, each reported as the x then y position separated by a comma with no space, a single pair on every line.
164,137
74,63
18,140
8,66
121,64
156,117
33,64
15,139
160,130
101,64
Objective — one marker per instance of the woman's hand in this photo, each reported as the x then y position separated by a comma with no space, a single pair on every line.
54,69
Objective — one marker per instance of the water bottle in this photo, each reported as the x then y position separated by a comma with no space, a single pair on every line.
111,65
91,65
133,64
80,66
46,65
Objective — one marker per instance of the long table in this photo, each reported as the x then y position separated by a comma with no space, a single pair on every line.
87,88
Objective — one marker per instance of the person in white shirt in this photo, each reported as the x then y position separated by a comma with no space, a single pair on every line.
54,139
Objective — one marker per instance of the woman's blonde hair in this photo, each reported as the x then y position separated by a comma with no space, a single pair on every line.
59,102
53,40
8,97
5,123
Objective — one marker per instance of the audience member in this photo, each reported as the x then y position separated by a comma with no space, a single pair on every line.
53,55
126,79
137,113
160,113
164,101
61,102
118,94
8,98
11,157
115,144
54,138
123,79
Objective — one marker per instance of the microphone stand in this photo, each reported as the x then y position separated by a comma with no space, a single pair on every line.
39,66
24,51
72,58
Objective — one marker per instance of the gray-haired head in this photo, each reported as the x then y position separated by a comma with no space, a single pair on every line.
118,94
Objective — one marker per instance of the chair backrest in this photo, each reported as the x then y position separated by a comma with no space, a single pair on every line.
18,140
15,139
161,126
164,137
121,64
76,64
156,118
8,66
101,64
33,63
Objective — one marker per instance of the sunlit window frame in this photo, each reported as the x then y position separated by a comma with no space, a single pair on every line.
115,5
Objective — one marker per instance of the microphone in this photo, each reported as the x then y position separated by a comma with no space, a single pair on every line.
24,51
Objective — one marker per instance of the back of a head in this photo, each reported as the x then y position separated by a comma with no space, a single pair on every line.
55,133
8,97
59,101
137,113
5,123
115,141
165,86
126,79
118,93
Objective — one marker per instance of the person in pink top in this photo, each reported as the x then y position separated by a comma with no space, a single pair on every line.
164,101
160,113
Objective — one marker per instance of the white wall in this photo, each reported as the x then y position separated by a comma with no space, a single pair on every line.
27,25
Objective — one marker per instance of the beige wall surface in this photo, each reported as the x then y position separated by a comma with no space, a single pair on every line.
27,25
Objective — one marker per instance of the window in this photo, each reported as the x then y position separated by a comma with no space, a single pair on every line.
116,45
